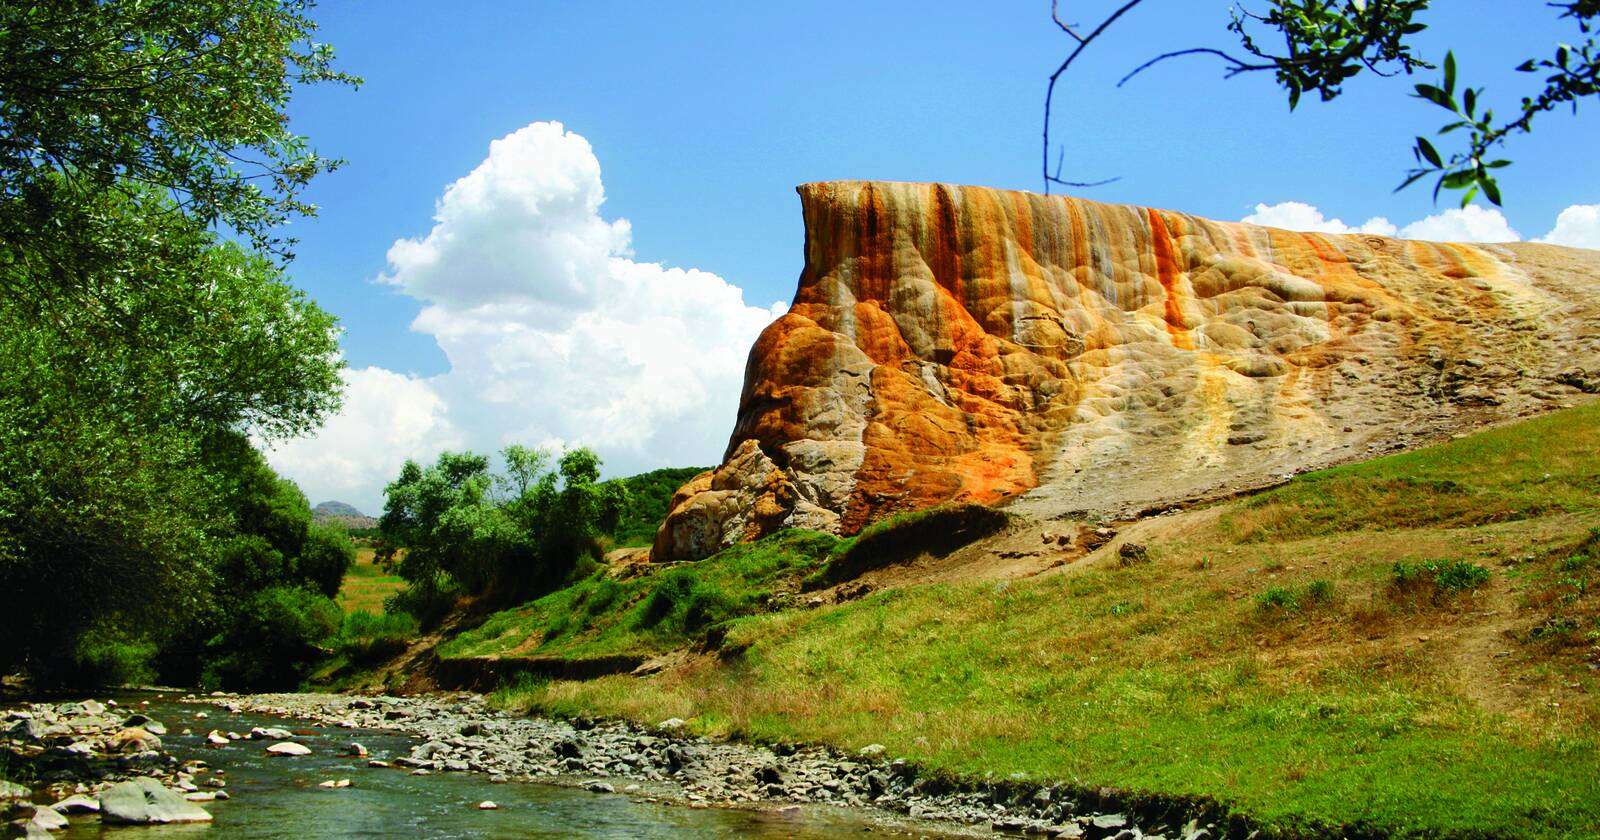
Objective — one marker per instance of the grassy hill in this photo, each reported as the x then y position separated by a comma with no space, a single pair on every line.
648,496
1408,644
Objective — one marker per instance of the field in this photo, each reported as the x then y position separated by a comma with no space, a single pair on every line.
366,585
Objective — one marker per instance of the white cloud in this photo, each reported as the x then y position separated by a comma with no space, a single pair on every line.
552,330
1578,226
1473,223
387,418
1295,215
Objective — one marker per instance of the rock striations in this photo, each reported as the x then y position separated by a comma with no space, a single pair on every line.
967,344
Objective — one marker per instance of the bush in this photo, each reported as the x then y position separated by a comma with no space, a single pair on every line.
112,660
325,558
902,537
273,639
428,604
1278,598
675,589
1438,577
368,637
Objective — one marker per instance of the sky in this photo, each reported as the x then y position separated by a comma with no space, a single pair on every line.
564,224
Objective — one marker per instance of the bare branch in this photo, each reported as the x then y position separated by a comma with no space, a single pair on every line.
1050,89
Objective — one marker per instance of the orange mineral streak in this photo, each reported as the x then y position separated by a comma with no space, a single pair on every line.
952,343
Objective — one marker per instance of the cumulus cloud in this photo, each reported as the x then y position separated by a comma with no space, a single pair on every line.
387,418
1296,215
1578,226
554,332
1472,223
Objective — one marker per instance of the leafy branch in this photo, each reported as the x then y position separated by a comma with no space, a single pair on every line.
1326,43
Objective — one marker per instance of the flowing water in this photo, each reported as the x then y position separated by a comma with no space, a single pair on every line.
279,797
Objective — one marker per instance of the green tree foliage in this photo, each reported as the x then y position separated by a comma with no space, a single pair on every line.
1327,43
512,535
189,97
273,638
138,348
648,494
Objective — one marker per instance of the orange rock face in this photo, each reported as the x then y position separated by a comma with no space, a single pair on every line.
967,344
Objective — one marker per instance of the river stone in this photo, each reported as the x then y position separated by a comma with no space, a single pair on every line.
487,805
26,729
154,727
144,801
134,739
270,734
48,819
288,748
78,804
11,792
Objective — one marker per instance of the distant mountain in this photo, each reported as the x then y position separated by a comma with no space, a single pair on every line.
342,513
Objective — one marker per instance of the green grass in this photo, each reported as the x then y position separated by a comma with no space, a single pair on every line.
366,585
652,613
1468,713
1533,468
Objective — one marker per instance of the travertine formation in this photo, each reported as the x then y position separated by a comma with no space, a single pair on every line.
961,343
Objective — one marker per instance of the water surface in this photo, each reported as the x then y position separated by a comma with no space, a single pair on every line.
278,797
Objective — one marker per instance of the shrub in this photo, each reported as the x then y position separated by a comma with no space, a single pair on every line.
1320,591
324,559
674,589
1441,577
428,604
112,660
368,637
272,639
1278,598
902,537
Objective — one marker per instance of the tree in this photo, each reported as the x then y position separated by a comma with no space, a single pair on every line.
138,348
1327,43
109,407
188,97
507,536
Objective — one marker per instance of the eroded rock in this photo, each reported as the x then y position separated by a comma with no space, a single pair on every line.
958,344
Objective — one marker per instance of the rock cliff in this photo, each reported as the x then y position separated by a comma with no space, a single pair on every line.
962,343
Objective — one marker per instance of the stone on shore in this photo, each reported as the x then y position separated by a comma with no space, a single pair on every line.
48,819
78,804
145,801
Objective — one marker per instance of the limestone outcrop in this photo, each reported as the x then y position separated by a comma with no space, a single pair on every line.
956,343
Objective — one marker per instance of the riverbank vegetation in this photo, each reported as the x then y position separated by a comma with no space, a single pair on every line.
143,349
1301,655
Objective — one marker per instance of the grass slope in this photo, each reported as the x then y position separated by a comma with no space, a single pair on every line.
653,613
1403,643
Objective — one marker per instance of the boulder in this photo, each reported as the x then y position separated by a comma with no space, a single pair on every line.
288,748
48,819
145,801
134,740
78,804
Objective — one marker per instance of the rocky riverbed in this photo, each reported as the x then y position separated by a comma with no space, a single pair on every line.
460,734
97,759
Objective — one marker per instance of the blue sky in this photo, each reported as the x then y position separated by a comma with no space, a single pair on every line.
704,116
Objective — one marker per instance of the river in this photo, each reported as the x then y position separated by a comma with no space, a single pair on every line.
279,797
